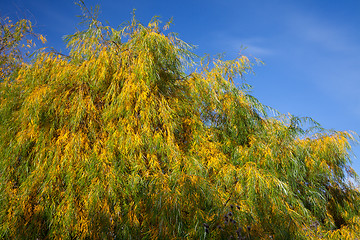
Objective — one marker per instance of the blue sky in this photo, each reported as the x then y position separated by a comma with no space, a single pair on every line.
310,48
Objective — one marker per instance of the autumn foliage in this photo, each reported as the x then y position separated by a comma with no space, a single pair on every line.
132,136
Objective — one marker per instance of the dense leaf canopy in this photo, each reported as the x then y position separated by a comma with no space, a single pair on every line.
132,136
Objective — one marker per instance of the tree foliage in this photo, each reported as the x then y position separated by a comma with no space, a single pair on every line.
132,137
15,42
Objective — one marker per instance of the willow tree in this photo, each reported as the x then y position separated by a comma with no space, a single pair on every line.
132,137
16,39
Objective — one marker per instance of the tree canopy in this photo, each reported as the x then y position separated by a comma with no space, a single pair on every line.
15,43
132,136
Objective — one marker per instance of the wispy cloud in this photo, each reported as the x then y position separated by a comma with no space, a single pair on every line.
250,46
255,47
322,33
258,50
326,53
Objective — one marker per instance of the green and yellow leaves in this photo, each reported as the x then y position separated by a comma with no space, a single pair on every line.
129,138
15,44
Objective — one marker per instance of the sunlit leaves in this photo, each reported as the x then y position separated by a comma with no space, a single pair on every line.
15,42
131,137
